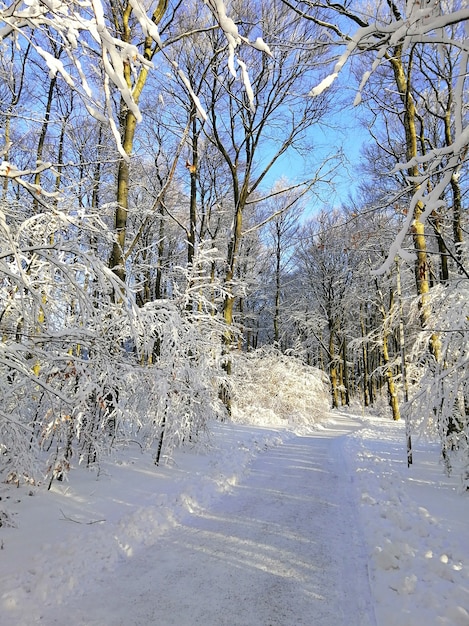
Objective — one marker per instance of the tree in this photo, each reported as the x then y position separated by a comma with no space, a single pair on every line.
273,123
407,40
326,266
122,18
70,348
280,234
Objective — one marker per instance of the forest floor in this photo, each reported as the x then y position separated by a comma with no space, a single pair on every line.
259,527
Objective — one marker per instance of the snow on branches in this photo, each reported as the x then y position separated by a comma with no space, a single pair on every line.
81,31
234,40
388,37
421,25
97,58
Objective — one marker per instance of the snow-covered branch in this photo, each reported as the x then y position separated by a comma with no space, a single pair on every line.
388,37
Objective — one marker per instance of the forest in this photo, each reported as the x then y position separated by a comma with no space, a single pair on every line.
181,204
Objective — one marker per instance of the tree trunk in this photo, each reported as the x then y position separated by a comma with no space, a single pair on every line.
192,167
345,375
333,369
458,236
129,124
392,390
42,135
403,363
365,377
117,259
386,312
403,82
278,259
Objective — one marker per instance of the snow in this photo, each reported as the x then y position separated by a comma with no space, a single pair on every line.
324,84
200,109
257,525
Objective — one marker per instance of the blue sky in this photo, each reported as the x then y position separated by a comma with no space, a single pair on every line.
343,132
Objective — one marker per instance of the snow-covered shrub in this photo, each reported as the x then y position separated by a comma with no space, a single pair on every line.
175,394
269,387
82,368
154,381
439,404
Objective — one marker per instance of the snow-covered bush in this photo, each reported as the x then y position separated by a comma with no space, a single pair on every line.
439,403
171,399
269,387
82,368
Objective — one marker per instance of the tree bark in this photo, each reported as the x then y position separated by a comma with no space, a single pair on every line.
333,368
422,267
365,383
129,124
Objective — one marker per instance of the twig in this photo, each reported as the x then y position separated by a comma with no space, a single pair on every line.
70,519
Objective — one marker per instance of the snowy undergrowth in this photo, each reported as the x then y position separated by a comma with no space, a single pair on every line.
269,386
415,524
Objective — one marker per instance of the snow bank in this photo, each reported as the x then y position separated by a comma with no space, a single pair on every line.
415,522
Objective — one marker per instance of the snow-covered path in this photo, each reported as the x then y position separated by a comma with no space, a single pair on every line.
254,527
282,548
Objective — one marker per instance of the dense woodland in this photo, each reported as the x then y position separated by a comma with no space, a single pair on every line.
173,197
